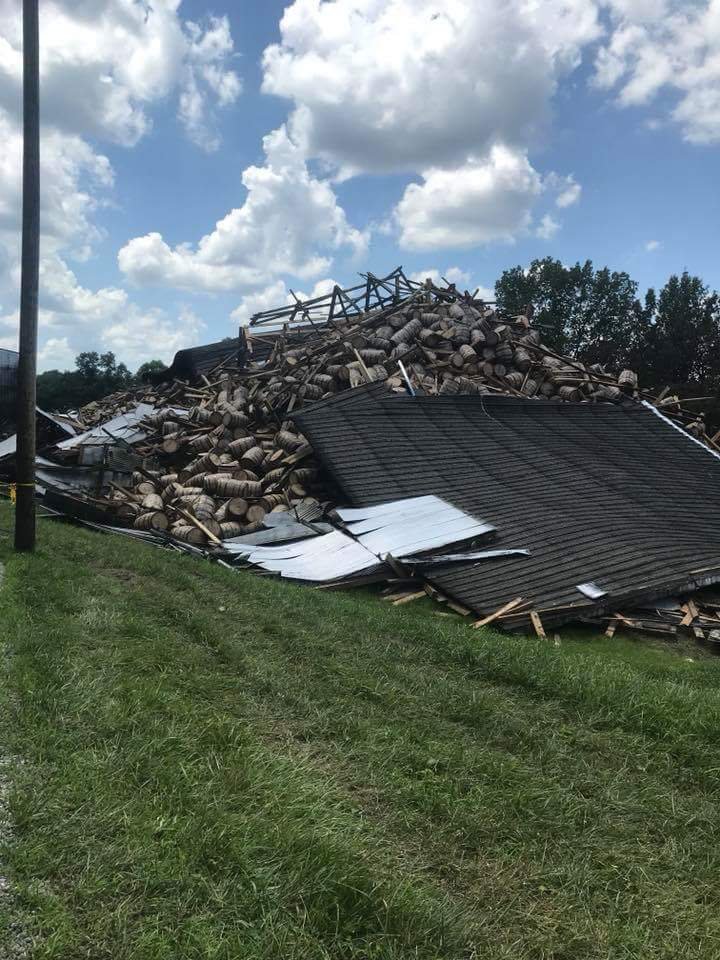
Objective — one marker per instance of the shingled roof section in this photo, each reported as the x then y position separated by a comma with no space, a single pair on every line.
611,495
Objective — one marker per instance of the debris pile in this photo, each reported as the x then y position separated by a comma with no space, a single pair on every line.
216,457
221,461
696,617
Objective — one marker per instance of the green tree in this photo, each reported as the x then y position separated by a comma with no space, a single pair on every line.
681,346
95,376
594,315
147,373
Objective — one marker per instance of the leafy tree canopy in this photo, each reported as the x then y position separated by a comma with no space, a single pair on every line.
148,371
591,314
95,376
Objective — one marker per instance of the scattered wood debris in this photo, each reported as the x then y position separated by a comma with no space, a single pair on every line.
214,459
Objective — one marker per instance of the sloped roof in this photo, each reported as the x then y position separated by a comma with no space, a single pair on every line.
610,495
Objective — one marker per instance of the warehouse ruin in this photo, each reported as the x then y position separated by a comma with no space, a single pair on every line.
411,434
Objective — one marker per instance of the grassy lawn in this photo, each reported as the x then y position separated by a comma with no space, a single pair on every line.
213,765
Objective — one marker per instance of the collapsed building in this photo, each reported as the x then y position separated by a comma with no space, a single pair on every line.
409,433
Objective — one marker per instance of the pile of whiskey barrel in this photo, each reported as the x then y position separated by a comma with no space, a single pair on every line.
219,455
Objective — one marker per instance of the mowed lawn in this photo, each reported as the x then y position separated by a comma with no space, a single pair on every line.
206,764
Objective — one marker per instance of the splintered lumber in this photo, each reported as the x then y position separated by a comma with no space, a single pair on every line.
408,597
512,605
537,624
691,613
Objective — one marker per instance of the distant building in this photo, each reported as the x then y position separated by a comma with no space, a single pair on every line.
8,386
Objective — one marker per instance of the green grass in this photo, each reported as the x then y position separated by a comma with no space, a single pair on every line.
213,765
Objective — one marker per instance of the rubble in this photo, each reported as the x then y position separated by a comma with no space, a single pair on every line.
214,460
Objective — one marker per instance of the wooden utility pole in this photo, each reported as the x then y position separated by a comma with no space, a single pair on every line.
27,365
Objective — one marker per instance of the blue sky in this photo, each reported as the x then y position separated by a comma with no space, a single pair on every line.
308,140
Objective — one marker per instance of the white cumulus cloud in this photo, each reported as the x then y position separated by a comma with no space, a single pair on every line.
484,201
409,85
666,52
290,223
103,64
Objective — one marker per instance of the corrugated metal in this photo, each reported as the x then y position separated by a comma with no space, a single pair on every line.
602,494
401,528
123,427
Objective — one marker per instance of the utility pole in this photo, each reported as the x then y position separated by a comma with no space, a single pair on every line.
30,268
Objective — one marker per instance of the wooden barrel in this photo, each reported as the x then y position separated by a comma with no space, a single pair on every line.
407,332
287,441
233,418
201,443
153,520
504,353
223,485
204,508
448,388
256,513
568,392
521,359
271,500
189,534
152,502
628,381
311,391
236,507
231,529
240,446
253,457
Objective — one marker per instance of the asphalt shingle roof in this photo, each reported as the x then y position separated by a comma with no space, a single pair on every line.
614,495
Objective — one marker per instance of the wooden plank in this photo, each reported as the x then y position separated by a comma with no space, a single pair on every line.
537,623
498,613
611,628
690,611
409,597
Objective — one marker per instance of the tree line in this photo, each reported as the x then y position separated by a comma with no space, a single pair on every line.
670,338
95,376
